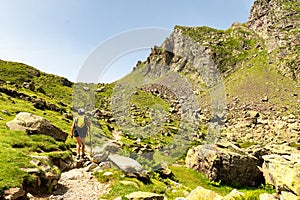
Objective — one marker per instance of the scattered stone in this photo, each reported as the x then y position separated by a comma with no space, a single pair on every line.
86,89
100,89
144,196
5,112
265,99
39,103
68,116
29,86
165,172
33,124
66,82
252,116
30,196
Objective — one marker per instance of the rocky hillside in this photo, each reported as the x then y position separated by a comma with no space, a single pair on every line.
256,64
233,92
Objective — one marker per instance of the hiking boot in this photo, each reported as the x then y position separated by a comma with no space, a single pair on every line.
83,156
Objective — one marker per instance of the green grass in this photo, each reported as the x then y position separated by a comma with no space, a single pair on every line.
11,162
192,179
188,180
118,189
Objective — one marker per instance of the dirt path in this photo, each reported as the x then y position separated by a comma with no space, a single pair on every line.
77,184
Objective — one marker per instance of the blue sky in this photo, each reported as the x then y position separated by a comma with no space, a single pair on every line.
57,36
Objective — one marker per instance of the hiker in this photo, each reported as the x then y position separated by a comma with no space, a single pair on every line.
80,128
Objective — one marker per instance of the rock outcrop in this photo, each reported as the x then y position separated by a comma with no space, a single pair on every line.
33,124
46,176
225,163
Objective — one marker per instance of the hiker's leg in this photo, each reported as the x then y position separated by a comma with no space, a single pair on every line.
83,145
78,141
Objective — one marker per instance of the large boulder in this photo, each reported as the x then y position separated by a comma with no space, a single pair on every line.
283,171
226,163
33,124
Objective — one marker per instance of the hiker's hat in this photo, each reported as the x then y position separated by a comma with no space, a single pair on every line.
81,111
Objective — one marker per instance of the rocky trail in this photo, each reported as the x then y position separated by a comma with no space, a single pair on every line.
77,184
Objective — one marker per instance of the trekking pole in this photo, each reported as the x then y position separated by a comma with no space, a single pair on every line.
91,146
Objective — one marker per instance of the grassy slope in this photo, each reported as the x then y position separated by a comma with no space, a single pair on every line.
17,145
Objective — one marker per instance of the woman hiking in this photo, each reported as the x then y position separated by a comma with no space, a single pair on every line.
80,128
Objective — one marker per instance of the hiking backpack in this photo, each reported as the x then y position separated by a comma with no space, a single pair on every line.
80,124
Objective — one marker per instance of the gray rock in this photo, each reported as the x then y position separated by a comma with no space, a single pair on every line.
126,164
33,124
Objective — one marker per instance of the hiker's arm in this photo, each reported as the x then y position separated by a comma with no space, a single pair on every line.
72,129
88,123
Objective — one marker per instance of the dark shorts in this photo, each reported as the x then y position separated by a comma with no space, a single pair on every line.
82,135
76,133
